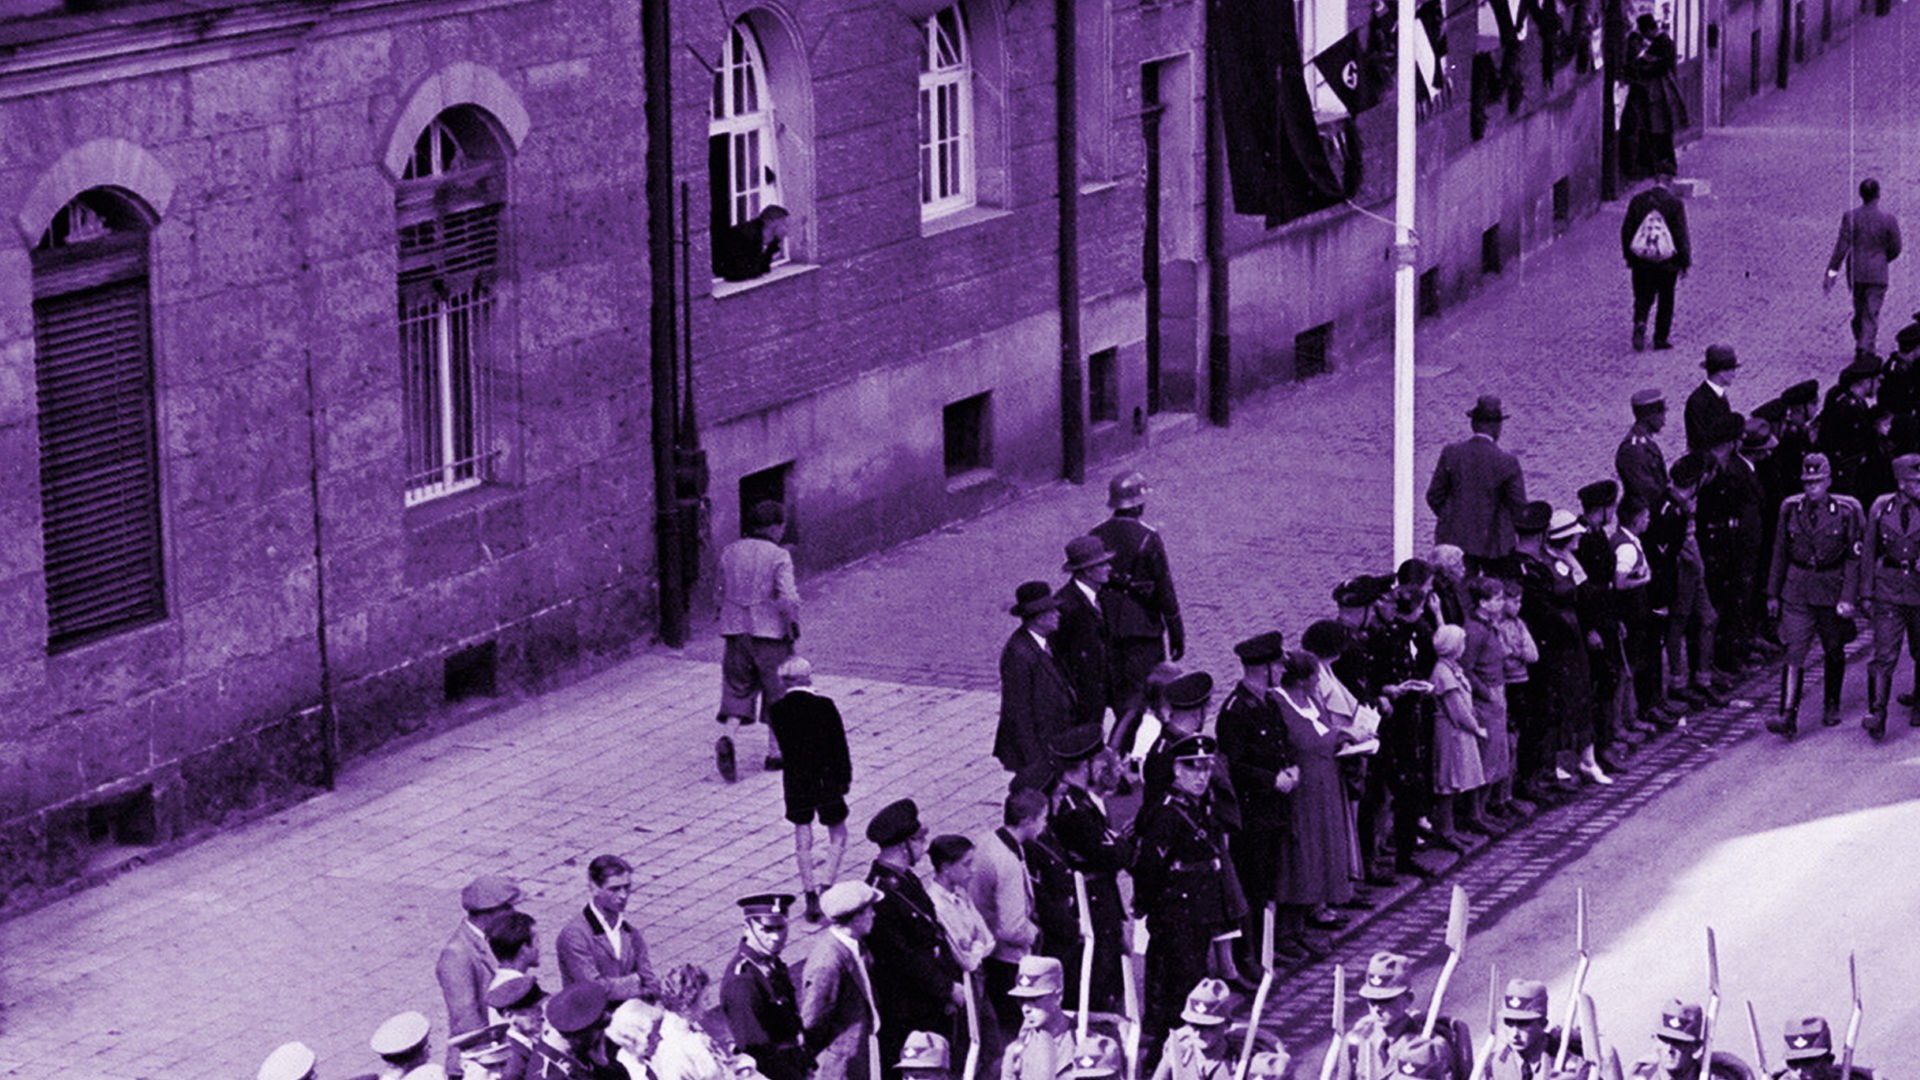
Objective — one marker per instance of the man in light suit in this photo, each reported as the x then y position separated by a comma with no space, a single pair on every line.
836,989
1477,488
599,945
1036,700
466,965
760,620
1869,240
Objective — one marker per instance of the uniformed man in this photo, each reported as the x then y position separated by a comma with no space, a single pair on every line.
1270,1065
1138,599
757,995
1044,1047
1188,698
1641,465
1185,885
1890,559
1900,375
1599,612
1391,1018
289,1061
1096,1056
401,1043
1809,1054
578,1017
1253,740
518,1001
1846,424
1084,836
1812,586
1795,431
916,980
926,1056
1528,1044
1423,1058
1729,530
1682,1025
1199,1049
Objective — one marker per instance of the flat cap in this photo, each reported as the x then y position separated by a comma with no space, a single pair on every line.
1720,358
1190,691
519,992
1262,648
1644,400
289,1061
845,898
1805,392
1599,493
489,891
1076,743
1533,517
400,1034
577,1008
897,821
1525,999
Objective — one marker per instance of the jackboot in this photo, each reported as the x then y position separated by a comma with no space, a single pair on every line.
1788,722
1878,689
1834,675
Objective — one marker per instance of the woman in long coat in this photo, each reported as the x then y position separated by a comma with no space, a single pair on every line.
1316,856
1655,109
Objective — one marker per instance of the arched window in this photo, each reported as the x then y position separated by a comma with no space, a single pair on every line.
99,467
946,116
450,200
743,167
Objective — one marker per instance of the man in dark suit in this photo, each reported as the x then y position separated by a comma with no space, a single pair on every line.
916,980
1708,401
1477,488
1869,239
1036,700
1730,533
1658,251
1081,643
1138,599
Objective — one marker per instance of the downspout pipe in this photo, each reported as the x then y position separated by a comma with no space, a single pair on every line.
1219,340
663,368
1073,380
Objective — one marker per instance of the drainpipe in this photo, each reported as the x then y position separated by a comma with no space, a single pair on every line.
663,370
1073,381
1219,341
329,720
1613,49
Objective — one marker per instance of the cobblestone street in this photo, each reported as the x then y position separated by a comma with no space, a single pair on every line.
320,921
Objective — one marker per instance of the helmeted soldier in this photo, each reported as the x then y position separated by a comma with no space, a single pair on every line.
1890,559
1138,599
1641,465
1809,1053
1812,586
1199,1049
1391,1020
757,996
1846,424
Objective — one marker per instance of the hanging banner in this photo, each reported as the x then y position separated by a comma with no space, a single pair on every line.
1276,163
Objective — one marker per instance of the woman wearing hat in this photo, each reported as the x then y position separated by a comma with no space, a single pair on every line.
1316,855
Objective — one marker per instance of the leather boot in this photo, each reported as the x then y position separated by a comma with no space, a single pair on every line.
1835,675
1878,688
1788,722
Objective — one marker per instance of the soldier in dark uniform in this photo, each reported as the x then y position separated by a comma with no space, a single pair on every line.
1809,1053
1779,477
1641,465
1729,531
1185,885
1795,431
756,993
1085,838
1890,559
1187,699
1846,432
1138,599
1811,587
1253,740
1353,602
1900,375
1599,614
916,980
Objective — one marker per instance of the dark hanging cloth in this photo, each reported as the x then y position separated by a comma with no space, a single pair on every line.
1433,21
1275,159
1511,17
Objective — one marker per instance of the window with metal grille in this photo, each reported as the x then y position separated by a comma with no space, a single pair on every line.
99,468
946,117
450,201
743,168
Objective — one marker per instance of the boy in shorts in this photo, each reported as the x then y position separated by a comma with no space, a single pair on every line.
818,772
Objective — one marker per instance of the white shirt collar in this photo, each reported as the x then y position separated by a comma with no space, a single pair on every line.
1092,595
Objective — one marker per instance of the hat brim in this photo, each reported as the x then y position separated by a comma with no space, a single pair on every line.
1521,1014
1384,993
1202,1019
1100,560
1036,607
1809,1053
1035,991
1073,1074
1679,1038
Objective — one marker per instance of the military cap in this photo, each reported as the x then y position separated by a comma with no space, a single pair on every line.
1262,648
1757,436
1269,1065
1388,976
1680,1022
1033,598
1362,590
519,992
428,1071
1865,366
1648,401
1038,976
925,1050
1207,1004
1084,552
1420,1056
1906,467
896,822
1487,408
844,899
1808,1037
1564,524
1815,466
1525,999
1725,428
1801,393
577,1008
1720,358
488,891
1908,339
1599,493
1195,748
1773,411
1533,517
1095,1055
289,1061
400,1034
1127,490
1687,471
1076,743
1190,691
1326,638
765,907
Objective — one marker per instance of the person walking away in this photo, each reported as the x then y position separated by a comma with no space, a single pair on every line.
1869,239
1476,489
1812,585
760,621
1659,251
1890,559
1141,608
817,776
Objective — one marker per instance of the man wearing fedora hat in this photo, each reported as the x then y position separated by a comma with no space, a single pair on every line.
1846,425
916,979
1709,399
760,621
1138,600
1044,1045
1084,836
1036,700
1081,643
1809,1052
1477,488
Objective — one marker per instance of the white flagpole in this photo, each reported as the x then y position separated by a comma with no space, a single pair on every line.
1403,287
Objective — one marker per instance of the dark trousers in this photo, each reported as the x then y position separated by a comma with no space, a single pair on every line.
1132,660
1651,283
1000,976
1866,314
1176,962
1646,635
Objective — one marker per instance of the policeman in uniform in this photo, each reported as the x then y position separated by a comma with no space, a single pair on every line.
1089,847
1200,1049
756,993
1044,1047
289,1061
1187,700
916,980
1890,559
1528,1045
1846,424
1253,740
1641,465
1185,885
1809,1053
1391,1018
1138,600
1812,586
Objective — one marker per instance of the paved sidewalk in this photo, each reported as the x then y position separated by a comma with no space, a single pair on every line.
320,921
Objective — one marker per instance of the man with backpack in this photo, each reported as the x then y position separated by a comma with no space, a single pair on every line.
1654,241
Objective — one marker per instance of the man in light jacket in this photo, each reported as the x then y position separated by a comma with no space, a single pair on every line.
1869,240
1003,892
